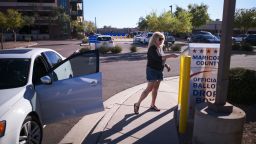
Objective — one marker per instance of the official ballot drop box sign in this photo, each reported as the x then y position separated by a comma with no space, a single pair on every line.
203,74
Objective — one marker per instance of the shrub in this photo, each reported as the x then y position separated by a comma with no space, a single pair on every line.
85,49
242,86
247,47
176,47
80,36
104,50
133,49
116,49
85,40
236,46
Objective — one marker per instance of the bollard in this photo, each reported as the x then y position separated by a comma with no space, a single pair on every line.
180,78
184,91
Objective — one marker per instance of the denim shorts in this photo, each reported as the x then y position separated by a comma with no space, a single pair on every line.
154,75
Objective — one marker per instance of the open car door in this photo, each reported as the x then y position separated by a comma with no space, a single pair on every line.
73,88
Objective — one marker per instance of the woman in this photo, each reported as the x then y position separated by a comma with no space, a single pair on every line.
155,65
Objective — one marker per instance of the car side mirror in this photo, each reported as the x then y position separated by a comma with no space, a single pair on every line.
46,80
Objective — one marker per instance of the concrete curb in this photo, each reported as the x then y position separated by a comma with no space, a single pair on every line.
98,121
34,44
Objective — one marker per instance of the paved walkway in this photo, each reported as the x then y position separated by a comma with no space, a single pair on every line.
18,44
119,124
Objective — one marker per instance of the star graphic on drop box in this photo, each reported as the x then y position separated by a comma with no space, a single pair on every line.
194,51
208,51
201,51
215,51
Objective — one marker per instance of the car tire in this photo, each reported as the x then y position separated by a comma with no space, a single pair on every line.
31,131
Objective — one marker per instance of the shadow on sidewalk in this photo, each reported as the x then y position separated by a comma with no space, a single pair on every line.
154,136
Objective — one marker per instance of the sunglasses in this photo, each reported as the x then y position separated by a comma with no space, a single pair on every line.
161,39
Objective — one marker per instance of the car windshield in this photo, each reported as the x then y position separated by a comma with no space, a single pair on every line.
13,72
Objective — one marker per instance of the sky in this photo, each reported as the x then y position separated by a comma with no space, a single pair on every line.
126,13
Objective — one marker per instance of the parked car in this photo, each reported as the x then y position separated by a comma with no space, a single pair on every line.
169,38
204,38
239,38
39,86
146,37
137,38
194,34
250,39
202,32
104,41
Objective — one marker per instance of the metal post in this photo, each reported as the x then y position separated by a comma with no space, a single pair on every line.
171,8
95,24
225,52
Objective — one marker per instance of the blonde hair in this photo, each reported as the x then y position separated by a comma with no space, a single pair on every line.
154,38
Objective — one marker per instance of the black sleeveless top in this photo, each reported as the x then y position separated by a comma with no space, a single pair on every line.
154,59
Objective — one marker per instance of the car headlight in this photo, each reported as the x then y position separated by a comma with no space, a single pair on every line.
2,127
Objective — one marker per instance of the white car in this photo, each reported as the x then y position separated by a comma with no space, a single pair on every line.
239,38
137,38
145,38
104,41
38,86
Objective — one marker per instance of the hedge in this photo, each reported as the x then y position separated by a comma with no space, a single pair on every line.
242,86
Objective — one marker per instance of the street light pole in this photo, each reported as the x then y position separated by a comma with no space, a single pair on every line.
171,8
95,24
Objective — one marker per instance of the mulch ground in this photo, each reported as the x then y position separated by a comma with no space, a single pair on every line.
249,132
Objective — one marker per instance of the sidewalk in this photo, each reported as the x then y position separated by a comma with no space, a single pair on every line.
119,124
18,44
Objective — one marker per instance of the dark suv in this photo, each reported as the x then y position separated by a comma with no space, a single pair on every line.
204,38
250,39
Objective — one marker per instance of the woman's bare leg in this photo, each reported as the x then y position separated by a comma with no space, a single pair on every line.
145,93
154,92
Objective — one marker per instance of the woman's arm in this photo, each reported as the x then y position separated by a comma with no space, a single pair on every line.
166,56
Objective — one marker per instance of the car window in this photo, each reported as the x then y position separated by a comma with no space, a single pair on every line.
104,38
78,65
52,58
14,72
39,70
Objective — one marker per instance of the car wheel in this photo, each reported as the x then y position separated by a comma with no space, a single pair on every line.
31,131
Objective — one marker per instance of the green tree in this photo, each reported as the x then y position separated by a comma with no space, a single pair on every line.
89,27
153,22
178,10
28,21
183,23
63,21
245,19
14,20
60,18
142,24
199,14
3,26
167,22
77,26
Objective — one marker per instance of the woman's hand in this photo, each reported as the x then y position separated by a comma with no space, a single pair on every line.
175,55
168,67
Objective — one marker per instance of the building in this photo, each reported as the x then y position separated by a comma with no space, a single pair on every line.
215,27
74,8
45,26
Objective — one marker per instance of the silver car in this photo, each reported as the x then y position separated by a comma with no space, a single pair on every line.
39,86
